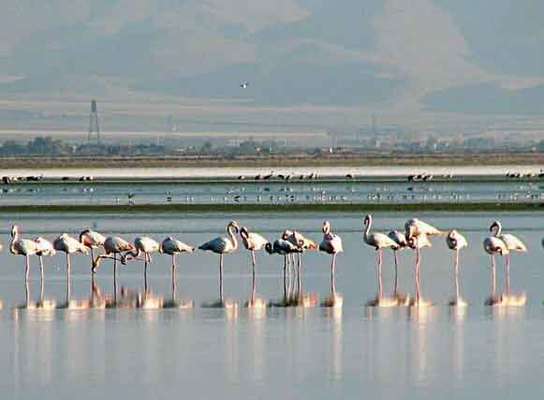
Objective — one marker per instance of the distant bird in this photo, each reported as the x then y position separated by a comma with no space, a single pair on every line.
253,242
244,84
91,240
284,248
68,245
331,244
113,245
456,242
43,248
379,241
142,245
172,246
223,245
493,245
400,243
417,243
513,243
22,247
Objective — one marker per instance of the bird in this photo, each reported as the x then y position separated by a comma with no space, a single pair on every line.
43,248
400,243
223,245
253,242
493,245
91,240
22,247
512,243
416,227
417,243
379,241
172,247
331,244
68,245
456,242
304,243
244,84
113,245
142,245
284,248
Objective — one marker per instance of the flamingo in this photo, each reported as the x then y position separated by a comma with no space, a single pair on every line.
456,242
253,242
417,243
22,247
172,246
379,241
301,241
223,245
493,245
284,248
145,245
43,248
113,245
331,244
400,243
416,227
91,240
68,245
512,243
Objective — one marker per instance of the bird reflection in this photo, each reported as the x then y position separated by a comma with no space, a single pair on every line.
334,299
174,302
40,304
294,295
254,301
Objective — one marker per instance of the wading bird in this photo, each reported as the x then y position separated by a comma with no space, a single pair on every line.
43,248
142,245
223,245
91,240
456,242
492,246
512,243
331,244
400,243
113,246
253,242
68,245
416,227
417,243
22,247
379,241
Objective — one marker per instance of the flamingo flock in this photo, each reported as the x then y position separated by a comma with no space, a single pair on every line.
291,245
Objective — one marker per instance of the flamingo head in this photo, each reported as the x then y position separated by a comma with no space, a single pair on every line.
495,227
234,225
14,230
244,232
268,248
326,227
367,220
286,233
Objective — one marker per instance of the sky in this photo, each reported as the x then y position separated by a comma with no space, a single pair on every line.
443,55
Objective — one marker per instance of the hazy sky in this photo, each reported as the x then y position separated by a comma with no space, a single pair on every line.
400,54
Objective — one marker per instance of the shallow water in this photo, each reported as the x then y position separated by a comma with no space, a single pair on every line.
287,352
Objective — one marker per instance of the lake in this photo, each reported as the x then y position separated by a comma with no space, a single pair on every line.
139,349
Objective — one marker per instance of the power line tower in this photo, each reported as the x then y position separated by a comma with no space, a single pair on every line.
94,127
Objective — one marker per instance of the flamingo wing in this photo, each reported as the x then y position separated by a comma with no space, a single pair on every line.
218,245
513,242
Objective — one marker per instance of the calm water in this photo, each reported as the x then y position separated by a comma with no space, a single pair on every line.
290,352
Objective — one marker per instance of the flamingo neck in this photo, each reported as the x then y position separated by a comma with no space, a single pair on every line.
497,229
368,224
232,237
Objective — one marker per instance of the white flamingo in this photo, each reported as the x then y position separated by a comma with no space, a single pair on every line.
456,242
253,242
304,243
44,248
400,243
513,243
142,245
68,245
223,245
379,241
417,243
493,245
172,247
22,247
416,227
113,246
92,240
331,244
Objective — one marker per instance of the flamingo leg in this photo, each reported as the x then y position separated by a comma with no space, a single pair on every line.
27,267
173,277
41,268
333,269
507,274
396,281
493,277
285,277
379,274
92,256
27,294
456,276
68,279
145,269
418,283
253,285
253,262
221,278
